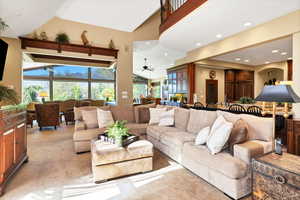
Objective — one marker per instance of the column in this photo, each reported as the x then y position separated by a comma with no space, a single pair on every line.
296,71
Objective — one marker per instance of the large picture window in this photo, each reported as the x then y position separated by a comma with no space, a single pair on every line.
69,82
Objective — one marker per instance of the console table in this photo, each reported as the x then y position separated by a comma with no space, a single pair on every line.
13,144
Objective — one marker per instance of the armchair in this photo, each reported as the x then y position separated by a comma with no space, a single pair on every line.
47,115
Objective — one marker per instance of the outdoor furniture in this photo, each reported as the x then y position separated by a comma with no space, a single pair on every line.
111,161
47,115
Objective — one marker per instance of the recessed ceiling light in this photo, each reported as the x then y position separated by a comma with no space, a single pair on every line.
290,58
198,44
219,36
275,51
248,24
237,59
284,53
267,62
247,60
166,54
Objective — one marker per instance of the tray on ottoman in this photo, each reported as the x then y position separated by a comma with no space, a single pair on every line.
111,161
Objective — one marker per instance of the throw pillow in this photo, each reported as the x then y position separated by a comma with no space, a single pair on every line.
155,115
202,136
219,135
90,118
167,118
105,118
238,135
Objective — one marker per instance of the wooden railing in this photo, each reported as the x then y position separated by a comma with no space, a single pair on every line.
173,11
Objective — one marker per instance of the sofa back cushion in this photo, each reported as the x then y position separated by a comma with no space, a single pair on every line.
182,118
78,114
200,119
230,117
90,118
142,113
259,128
120,113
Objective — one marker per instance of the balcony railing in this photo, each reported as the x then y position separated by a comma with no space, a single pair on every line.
174,10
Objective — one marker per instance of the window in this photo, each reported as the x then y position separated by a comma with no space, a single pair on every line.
102,90
31,89
140,89
69,90
70,72
156,90
69,82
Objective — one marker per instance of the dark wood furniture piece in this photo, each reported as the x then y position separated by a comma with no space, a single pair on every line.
293,136
198,105
13,144
47,115
238,83
276,177
255,110
237,108
211,91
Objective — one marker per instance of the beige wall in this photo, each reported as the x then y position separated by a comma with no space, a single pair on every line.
296,71
13,72
202,74
279,69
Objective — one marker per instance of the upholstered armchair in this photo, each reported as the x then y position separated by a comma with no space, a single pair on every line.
47,115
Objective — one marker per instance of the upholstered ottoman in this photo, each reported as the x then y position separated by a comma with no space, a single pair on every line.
110,161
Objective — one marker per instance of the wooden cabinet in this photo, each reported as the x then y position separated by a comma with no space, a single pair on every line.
238,84
13,144
293,136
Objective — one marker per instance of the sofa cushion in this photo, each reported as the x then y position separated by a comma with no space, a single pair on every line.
90,118
181,118
259,128
177,139
155,115
231,117
137,129
104,118
123,113
222,162
239,134
77,111
202,136
142,113
167,118
200,119
87,135
156,131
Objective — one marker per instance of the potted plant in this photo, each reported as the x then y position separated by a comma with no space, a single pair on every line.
3,25
62,38
8,96
118,132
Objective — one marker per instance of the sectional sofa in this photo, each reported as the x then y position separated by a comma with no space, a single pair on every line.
230,173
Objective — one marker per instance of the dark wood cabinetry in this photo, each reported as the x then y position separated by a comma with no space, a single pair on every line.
293,136
13,144
239,83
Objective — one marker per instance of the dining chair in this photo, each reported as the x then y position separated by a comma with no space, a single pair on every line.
237,108
255,110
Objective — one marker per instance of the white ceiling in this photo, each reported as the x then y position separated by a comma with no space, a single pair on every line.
159,57
225,17
23,16
260,54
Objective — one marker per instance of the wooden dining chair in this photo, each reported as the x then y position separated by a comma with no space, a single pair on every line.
255,110
198,105
237,108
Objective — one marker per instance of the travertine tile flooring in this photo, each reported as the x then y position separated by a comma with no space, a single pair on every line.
54,171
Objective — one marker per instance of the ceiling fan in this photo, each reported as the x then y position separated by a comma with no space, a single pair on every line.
146,67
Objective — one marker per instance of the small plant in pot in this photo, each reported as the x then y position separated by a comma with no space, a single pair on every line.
8,96
118,132
62,38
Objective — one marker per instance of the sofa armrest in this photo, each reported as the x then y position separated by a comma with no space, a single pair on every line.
80,125
251,149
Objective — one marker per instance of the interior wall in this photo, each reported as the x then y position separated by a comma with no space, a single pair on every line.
202,74
280,70
12,76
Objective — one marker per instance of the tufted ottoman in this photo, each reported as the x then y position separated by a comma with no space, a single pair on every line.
110,161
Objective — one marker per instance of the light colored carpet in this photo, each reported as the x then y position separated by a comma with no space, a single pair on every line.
55,172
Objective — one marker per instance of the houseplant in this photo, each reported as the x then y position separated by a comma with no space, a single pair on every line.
118,131
62,38
246,100
3,25
8,96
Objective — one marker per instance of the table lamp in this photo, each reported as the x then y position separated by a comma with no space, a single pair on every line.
43,94
278,94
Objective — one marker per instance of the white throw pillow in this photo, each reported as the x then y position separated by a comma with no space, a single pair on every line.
105,118
219,136
202,136
90,118
155,115
167,118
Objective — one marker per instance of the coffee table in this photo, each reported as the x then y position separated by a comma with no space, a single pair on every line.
111,161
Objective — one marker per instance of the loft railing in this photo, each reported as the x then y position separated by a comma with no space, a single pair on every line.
174,10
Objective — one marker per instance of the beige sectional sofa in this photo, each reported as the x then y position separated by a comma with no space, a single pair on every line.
231,174
83,135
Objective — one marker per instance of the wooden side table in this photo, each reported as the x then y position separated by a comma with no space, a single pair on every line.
293,136
276,177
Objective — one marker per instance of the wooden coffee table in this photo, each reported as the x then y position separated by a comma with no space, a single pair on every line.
111,161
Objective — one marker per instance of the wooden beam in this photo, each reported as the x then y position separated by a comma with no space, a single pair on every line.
191,71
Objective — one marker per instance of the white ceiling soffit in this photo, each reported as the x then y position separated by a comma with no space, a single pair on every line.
24,16
158,57
223,17
270,52
121,15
